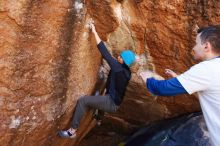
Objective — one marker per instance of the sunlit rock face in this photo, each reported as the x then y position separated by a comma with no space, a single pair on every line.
48,59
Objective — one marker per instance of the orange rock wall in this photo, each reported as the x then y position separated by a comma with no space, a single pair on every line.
48,59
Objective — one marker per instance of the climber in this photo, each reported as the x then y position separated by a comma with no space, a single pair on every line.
203,78
117,82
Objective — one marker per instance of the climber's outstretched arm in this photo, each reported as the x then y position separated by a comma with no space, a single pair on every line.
113,63
97,38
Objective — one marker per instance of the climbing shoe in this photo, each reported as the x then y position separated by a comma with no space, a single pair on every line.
98,116
67,134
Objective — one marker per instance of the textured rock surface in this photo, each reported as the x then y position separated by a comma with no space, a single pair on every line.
48,59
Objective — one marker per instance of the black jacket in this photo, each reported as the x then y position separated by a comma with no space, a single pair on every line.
118,77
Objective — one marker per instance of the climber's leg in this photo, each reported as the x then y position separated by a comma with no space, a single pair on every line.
104,103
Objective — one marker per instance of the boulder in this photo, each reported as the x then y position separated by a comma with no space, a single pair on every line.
49,58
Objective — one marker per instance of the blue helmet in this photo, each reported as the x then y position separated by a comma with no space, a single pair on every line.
128,57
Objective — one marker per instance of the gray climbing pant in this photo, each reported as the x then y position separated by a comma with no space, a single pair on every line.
104,103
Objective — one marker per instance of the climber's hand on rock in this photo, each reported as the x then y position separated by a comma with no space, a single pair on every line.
92,27
170,73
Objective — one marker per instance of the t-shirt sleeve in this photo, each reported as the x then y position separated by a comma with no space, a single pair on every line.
197,78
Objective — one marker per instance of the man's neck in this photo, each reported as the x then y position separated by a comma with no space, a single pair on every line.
212,56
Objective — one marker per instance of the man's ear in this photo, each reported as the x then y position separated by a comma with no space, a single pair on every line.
208,46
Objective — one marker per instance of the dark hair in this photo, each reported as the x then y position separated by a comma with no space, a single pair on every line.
211,34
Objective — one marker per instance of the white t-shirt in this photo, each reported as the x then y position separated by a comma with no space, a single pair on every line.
204,78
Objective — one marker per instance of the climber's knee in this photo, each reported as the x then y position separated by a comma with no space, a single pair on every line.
82,100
